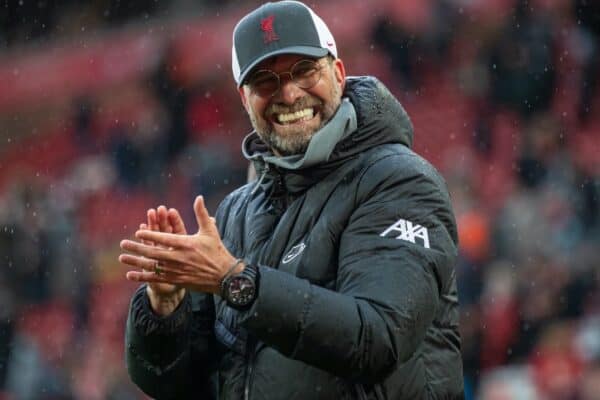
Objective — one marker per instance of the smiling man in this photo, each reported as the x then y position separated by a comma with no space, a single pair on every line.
287,119
329,277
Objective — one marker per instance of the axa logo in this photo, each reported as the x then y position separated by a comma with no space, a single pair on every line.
406,230
293,253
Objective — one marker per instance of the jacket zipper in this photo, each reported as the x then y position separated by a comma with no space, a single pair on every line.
264,173
280,187
360,391
249,369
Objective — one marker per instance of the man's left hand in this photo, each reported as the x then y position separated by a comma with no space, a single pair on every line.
196,262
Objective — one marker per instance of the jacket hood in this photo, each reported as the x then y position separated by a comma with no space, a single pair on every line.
381,118
368,116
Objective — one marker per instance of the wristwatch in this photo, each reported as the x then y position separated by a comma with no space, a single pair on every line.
240,290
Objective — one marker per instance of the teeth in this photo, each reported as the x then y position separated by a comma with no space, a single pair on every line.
307,113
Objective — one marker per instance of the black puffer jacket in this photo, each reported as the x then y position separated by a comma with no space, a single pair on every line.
357,293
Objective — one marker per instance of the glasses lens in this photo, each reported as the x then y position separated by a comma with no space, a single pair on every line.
264,83
306,73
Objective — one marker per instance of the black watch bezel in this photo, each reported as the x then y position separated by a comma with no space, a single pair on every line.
241,299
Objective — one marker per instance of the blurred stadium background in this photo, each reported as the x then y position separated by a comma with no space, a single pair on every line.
110,107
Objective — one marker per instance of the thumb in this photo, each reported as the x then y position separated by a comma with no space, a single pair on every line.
205,224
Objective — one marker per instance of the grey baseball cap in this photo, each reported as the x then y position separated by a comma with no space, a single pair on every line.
283,27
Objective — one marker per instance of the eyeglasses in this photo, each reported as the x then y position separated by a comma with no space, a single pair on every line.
305,74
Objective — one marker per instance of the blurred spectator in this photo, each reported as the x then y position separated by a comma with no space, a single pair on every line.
83,116
29,254
541,217
208,111
556,366
415,35
590,383
21,21
521,62
118,11
24,21
499,315
8,299
139,149
41,355
171,90
507,383
587,14
543,150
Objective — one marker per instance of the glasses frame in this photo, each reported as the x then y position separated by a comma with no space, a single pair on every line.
316,62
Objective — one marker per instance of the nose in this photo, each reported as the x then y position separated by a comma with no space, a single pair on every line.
289,92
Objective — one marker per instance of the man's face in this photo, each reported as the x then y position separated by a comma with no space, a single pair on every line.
288,120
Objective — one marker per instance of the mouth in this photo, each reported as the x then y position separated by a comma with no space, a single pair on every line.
303,115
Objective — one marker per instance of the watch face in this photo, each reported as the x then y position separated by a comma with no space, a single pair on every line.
241,290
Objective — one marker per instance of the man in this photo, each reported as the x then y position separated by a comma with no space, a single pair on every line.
330,276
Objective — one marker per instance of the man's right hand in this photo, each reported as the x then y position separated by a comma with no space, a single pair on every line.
164,297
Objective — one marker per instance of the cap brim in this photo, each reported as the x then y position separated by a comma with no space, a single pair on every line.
299,50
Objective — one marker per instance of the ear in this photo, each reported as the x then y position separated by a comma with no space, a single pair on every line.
340,72
243,95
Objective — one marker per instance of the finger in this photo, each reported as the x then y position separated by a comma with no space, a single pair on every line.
150,277
137,261
202,216
176,221
153,277
163,221
183,281
157,253
144,226
171,240
148,264
152,219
